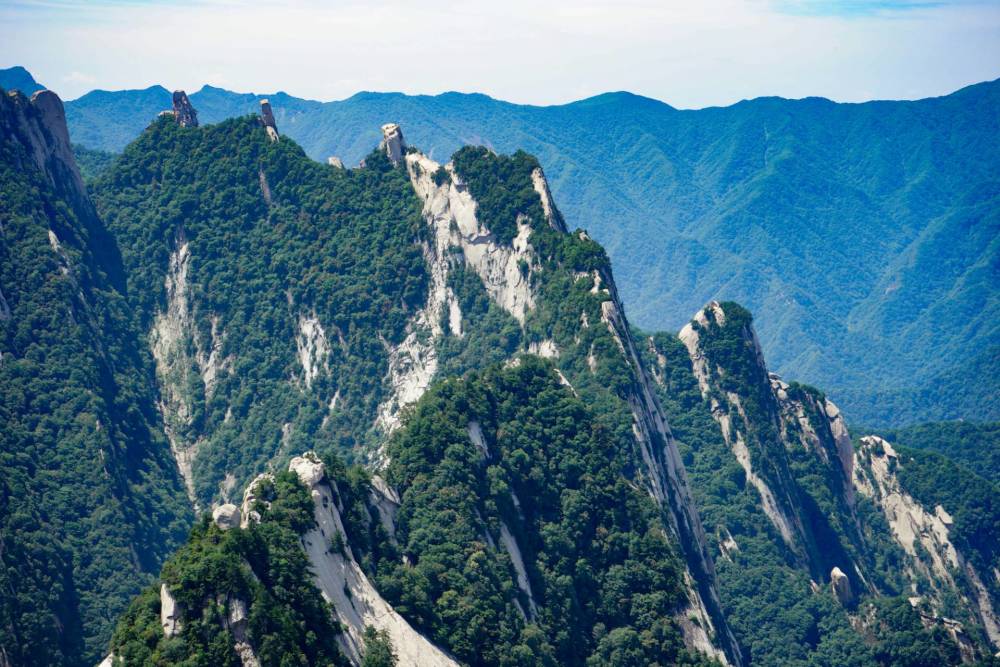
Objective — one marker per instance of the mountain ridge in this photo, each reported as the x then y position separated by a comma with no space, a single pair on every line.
824,218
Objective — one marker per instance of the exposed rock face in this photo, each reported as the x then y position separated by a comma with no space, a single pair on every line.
393,143
841,586
776,503
39,124
506,274
924,534
785,420
172,339
236,621
344,584
450,212
667,482
183,111
247,513
335,161
227,516
552,214
386,501
170,613
312,348
267,119
546,349
819,427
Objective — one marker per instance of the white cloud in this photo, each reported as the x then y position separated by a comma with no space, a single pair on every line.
689,54
75,78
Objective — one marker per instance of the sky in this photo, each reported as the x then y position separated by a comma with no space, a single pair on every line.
689,54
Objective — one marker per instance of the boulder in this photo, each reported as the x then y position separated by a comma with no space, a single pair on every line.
309,468
227,516
841,586
183,111
393,142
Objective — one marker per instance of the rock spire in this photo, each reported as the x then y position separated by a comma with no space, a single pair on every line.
183,111
393,142
267,118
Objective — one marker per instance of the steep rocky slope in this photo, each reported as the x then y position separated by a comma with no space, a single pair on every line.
811,548
485,270
947,567
82,455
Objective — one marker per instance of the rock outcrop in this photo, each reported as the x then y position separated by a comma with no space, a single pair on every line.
267,120
227,516
184,112
450,212
39,124
335,161
183,356
925,536
507,272
767,422
841,586
346,587
393,143
170,613
667,482
727,408
552,215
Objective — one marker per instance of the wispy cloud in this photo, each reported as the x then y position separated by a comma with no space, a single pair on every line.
853,8
79,78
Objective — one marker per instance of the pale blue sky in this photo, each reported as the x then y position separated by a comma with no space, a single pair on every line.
690,54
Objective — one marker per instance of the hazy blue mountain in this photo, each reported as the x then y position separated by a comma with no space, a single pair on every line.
18,78
108,120
863,235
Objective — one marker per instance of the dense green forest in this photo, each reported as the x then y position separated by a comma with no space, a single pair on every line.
273,238
90,500
753,202
263,567
602,573
92,163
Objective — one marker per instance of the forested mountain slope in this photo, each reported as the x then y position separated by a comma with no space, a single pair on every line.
863,235
292,305
424,427
90,499
789,505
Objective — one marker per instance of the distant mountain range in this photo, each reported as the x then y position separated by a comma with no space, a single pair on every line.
864,236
